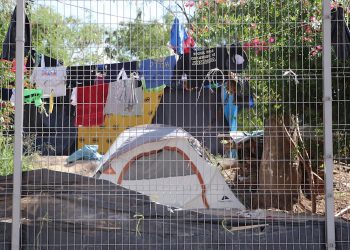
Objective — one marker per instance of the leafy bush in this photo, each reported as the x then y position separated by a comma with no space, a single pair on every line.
7,153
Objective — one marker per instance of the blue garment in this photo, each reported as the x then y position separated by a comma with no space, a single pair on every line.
230,113
157,72
88,152
230,110
178,36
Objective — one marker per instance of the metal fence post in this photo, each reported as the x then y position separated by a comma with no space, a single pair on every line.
327,119
17,175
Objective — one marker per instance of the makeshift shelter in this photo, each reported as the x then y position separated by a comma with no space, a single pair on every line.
167,164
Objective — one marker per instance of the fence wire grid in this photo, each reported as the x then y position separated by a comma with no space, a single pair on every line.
174,124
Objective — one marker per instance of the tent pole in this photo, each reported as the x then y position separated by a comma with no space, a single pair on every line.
17,175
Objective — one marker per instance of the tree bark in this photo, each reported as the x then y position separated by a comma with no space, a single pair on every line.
279,174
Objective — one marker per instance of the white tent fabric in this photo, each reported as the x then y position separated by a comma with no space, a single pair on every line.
166,164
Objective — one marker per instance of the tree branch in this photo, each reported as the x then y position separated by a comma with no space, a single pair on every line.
183,12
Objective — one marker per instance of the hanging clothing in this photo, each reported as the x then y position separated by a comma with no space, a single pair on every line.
200,62
124,97
90,104
340,34
5,94
52,80
189,43
111,71
9,44
230,110
81,75
158,72
197,64
200,115
73,97
178,36
54,134
86,75
29,96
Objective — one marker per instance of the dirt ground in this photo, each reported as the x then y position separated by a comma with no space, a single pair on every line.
341,191
58,163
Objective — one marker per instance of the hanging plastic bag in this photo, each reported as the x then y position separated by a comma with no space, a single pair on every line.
124,96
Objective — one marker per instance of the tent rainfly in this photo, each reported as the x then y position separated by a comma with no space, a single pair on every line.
166,163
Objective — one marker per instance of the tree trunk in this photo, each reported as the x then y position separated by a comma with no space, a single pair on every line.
279,175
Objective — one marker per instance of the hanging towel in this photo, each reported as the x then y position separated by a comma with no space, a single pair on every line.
50,79
157,72
124,97
177,36
90,104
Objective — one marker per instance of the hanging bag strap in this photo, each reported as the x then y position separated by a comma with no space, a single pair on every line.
42,64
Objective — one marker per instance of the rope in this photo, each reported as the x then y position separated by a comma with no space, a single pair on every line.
207,77
139,218
223,224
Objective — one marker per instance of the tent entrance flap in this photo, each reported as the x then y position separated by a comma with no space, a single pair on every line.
163,163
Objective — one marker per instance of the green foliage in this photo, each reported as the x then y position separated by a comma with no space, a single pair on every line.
7,76
68,39
139,40
276,40
7,152
6,9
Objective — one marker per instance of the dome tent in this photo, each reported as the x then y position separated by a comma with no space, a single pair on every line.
166,164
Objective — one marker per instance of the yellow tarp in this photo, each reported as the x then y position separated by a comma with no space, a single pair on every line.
105,135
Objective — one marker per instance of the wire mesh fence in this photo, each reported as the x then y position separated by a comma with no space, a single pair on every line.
174,124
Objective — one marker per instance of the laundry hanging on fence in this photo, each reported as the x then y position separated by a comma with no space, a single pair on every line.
200,62
200,115
111,71
91,101
238,98
113,125
29,96
86,75
9,44
340,34
178,36
157,72
125,96
52,80
54,134
189,43
5,94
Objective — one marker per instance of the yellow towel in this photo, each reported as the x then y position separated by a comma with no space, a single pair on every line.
105,135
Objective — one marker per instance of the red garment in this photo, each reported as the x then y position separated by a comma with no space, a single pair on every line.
188,44
91,101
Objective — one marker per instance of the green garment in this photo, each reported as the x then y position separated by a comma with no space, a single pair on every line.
33,95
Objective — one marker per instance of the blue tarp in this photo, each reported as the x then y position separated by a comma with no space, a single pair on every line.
88,152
